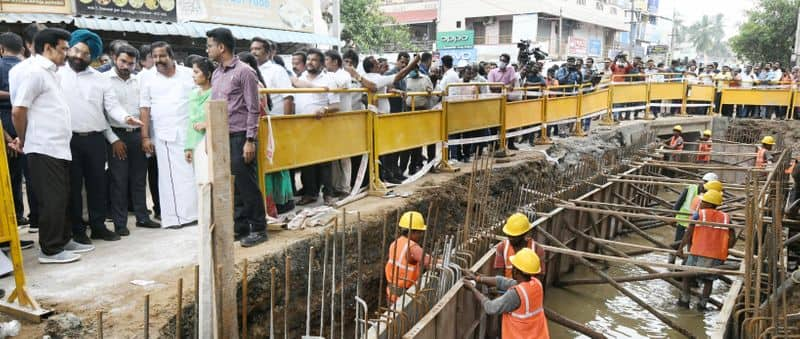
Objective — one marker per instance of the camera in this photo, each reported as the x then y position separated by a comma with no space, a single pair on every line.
525,52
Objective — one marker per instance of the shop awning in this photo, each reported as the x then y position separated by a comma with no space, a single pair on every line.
26,18
414,17
199,29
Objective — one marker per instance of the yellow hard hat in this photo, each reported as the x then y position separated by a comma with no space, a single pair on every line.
516,225
678,128
713,197
413,220
714,185
526,261
768,140
707,132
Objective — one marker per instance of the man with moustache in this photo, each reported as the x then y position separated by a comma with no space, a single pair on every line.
164,103
127,162
90,97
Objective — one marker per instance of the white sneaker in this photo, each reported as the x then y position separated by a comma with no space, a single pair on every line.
75,247
60,258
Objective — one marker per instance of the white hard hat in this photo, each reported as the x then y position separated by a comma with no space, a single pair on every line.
710,176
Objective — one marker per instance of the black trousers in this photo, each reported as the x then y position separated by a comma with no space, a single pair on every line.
152,182
88,168
316,177
51,189
128,178
18,169
247,199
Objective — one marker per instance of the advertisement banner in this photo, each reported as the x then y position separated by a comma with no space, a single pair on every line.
37,6
595,47
652,6
290,15
576,46
458,54
155,10
455,39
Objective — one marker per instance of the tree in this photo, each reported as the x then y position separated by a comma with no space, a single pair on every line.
368,29
706,34
679,30
768,34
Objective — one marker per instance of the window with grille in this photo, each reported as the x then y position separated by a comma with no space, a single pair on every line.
505,31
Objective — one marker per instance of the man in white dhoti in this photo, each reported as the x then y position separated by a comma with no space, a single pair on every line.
165,103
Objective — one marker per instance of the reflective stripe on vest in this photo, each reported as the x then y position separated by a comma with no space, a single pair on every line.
685,213
760,155
711,241
508,251
674,143
399,271
527,321
704,147
524,300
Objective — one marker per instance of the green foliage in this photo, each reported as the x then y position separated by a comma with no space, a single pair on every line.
768,34
365,27
706,35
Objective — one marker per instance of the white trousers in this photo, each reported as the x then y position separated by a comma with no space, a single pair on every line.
177,188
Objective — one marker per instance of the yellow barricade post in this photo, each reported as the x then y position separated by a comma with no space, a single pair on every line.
795,101
473,113
524,113
666,86
635,90
597,100
778,94
699,93
26,306
562,103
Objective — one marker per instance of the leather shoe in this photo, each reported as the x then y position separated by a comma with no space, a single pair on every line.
254,238
148,224
22,221
306,201
81,238
123,231
104,234
191,223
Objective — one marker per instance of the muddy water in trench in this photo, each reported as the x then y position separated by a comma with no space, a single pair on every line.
604,309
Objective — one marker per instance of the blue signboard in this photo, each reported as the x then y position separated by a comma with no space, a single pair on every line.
458,54
595,47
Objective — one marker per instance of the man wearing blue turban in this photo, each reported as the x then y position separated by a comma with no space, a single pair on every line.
90,97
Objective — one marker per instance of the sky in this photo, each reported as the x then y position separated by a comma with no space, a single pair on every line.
692,10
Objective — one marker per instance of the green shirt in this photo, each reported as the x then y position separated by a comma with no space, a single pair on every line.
197,113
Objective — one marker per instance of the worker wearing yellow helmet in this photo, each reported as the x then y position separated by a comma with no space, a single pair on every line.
763,157
522,305
406,256
687,204
518,229
675,143
708,244
705,147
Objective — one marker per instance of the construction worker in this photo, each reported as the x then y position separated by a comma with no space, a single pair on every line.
708,245
518,230
763,157
522,305
684,206
675,143
406,256
705,147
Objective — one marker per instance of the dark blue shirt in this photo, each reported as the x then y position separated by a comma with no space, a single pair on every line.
6,63
534,79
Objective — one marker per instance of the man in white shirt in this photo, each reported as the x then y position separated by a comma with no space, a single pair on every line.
41,117
127,162
340,169
450,75
274,75
316,177
89,95
164,102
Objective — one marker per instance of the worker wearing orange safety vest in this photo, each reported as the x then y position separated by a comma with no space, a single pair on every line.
705,147
685,209
406,256
522,305
708,244
518,229
762,155
675,143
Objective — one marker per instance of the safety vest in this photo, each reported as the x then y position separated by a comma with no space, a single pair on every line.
695,203
508,251
704,147
678,146
791,168
528,320
761,160
685,213
400,273
711,241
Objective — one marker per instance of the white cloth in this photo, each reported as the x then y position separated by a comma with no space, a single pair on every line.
127,94
19,68
177,187
382,82
89,96
309,103
168,100
342,79
49,121
450,77
275,76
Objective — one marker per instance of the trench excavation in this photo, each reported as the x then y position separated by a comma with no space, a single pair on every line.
570,201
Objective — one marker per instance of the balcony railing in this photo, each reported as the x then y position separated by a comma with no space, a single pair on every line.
416,46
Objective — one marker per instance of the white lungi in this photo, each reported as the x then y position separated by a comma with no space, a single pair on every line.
177,188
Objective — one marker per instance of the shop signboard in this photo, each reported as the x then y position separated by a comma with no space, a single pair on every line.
455,39
153,10
36,6
577,46
595,47
289,15
468,54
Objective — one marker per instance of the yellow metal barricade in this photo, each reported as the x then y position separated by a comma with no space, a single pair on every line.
631,88
795,101
473,111
699,94
666,86
562,105
594,102
779,94
526,112
26,306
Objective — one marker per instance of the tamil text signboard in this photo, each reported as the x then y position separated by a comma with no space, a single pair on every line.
36,6
455,39
290,15
154,10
